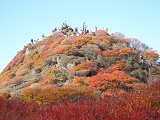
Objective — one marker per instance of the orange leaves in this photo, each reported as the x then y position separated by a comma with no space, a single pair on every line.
56,40
102,34
151,55
50,80
61,49
120,66
30,65
57,36
79,41
52,76
106,42
126,51
46,54
37,56
112,92
7,75
102,43
103,81
110,53
39,63
66,49
42,55
84,66
123,77
22,72
52,96
53,44
68,40
5,95
81,80
28,94
49,72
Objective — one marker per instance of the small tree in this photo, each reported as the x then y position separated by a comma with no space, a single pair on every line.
137,45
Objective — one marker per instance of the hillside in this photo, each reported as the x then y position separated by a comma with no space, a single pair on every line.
92,63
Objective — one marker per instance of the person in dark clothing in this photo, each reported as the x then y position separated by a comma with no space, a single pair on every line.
76,30
141,57
54,30
32,41
87,31
149,67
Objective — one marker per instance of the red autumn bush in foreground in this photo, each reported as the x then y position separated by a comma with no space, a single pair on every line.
82,110
129,106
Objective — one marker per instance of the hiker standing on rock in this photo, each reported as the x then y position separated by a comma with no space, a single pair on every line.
32,41
84,29
95,29
106,29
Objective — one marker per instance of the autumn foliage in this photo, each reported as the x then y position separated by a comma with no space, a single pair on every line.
139,105
126,51
110,53
104,81
56,95
81,77
120,66
151,55
78,42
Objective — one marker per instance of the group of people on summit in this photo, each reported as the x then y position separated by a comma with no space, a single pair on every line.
66,30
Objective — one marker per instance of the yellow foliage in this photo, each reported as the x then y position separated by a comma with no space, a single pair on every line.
5,95
52,96
81,80
155,70
50,72
39,63
7,75
37,56
22,72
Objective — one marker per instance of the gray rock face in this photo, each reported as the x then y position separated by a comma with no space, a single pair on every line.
65,62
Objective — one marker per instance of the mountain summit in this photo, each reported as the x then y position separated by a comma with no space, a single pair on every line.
95,61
